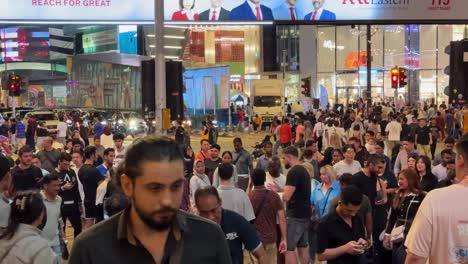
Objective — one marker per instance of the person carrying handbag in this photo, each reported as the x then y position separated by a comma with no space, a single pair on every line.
402,213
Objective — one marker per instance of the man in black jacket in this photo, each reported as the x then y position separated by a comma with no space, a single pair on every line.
71,199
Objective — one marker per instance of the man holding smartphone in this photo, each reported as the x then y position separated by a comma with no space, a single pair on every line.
371,184
71,208
341,233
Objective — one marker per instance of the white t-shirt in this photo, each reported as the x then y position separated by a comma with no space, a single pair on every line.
119,156
107,141
236,200
62,129
318,129
440,232
393,129
280,181
343,167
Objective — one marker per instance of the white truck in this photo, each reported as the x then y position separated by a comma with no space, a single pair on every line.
267,98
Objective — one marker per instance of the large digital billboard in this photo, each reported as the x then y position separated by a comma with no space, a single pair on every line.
314,10
235,11
24,44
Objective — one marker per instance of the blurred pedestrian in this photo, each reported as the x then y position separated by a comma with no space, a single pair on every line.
297,195
343,229
53,230
408,198
25,176
153,223
5,182
269,210
22,238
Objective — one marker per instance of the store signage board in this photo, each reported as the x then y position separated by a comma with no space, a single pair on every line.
118,11
332,11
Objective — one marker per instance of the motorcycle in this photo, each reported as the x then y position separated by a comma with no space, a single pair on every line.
258,150
258,147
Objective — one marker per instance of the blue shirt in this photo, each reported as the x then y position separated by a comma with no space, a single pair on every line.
323,201
20,130
102,169
98,129
242,160
263,162
238,231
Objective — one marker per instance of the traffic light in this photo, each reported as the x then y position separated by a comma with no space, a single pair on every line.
14,84
402,77
306,87
395,77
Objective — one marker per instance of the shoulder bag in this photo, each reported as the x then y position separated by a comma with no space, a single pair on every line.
398,232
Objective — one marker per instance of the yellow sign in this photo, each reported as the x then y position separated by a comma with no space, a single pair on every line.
465,123
166,118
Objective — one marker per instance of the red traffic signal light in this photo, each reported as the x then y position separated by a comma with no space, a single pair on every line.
395,78
402,77
14,84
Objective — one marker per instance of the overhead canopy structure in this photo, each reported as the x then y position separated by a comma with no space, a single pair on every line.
113,57
237,98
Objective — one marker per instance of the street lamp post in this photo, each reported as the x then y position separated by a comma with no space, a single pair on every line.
160,64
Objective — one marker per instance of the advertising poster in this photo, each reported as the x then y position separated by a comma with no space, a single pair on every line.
314,10
206,88
251,11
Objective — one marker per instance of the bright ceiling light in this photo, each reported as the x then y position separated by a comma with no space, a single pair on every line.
174,37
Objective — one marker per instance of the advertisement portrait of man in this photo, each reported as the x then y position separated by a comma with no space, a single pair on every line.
251,10
288,11
319,12
215,13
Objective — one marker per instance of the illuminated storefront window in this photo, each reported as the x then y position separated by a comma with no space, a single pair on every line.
342,65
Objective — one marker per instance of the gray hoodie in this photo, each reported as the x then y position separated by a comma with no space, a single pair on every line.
26,247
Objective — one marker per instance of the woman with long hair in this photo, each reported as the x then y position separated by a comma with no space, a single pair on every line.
22,239
323,195
186,11
335,143
428,180
408,198
227,158
412,158
337,156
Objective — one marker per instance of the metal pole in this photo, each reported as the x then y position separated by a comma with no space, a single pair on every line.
160,64
5,73
284,63
13,106
369,67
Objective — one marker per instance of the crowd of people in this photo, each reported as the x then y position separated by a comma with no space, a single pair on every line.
336,186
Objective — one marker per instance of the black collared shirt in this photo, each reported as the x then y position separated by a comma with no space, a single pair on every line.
191,240
334,232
